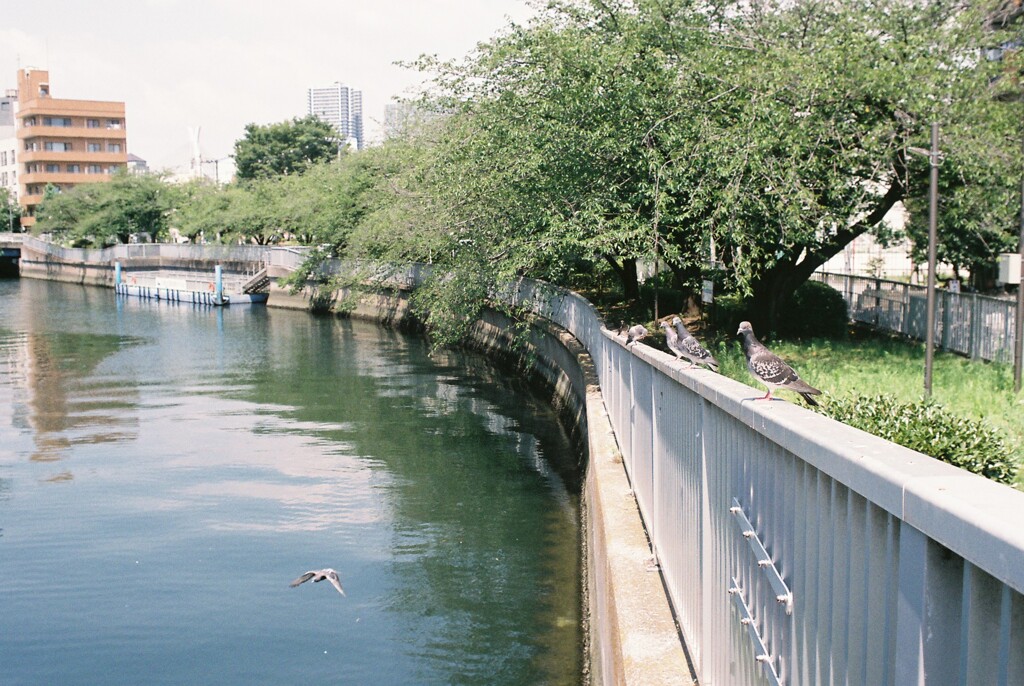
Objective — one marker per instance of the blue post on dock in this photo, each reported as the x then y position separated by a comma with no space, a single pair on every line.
219,287
117,274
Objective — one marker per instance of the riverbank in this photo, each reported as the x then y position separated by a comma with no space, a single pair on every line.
633,635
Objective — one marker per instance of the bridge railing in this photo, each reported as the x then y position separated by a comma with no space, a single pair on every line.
182,251
796,549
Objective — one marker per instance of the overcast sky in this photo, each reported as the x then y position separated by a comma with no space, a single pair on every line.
221,64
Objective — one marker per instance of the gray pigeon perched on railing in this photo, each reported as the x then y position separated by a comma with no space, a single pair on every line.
770,369
636,333
691,349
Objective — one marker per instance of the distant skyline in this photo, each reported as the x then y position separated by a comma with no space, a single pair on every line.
222,64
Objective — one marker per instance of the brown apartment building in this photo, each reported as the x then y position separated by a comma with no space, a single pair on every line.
62,143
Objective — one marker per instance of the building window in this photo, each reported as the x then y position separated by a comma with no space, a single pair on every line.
113,123
3,179
3,158
93,169
52,168
74,169
113,147
31,146
92,123
28,121
54,146
57,121
94,147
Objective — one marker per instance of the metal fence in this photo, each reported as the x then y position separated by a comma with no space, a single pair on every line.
797,550
978,326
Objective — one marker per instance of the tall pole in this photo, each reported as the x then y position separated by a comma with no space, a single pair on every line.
933,213
1018,341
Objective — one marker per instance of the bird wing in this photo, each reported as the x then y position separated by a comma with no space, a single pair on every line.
303,579
696,350
335,581
769,368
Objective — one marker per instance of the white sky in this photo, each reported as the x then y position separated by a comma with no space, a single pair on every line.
221,64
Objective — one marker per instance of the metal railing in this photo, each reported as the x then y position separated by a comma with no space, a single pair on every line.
289,257
798,550
978,326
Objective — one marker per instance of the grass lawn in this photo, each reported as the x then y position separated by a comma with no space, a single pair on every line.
870,364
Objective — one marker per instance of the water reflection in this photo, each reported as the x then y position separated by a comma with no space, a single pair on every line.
59,403
217,454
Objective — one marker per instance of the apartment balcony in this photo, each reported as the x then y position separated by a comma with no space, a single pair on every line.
60,178
30,200
71,132
71,157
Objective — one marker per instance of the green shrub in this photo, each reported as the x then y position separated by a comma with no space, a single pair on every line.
928,428
814,310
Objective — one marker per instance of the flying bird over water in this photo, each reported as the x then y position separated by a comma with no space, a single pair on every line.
318,575
691,349
770,369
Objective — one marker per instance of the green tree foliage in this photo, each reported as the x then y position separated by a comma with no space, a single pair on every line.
617,131
10,211
99,214
287,147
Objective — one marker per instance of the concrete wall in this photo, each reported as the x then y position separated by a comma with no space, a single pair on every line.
632,634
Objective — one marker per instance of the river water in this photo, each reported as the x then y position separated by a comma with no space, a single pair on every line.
166,470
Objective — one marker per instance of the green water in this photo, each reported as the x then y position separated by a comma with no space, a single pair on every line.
166,471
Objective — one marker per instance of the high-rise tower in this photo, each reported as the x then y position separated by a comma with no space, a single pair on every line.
342,107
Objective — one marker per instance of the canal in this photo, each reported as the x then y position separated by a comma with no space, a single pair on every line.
166,470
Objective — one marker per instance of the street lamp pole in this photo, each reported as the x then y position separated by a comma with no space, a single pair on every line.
1018,342
934,158
933,214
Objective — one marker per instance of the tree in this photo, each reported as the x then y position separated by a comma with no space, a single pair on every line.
100,214
10,211
556,155
827,98
639,129
287,147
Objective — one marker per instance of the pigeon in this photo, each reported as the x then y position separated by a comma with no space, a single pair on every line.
691,349
770,370
672,339
636,333
318,575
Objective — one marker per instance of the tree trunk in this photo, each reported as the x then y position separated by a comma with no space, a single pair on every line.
769,293
626,271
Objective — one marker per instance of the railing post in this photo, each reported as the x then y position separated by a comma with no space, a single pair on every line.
878,300
946,302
